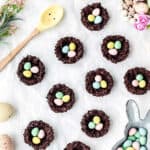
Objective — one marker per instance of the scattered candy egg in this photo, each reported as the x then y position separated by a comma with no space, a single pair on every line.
142,84
118,45
96,12
65,49
98,20
136,145
41,134
66,98
36,140
110,45
6,111
98,78
58,102
135,83
27,66
143,131
71,54
35,69
127,143
132,131
59,95
91,125
72,46
27,74
99,127
6,143
113,52
139,77
91,18
35,131
96,119
103,84
96,85
141,7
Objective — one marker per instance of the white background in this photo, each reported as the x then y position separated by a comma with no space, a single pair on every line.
30,102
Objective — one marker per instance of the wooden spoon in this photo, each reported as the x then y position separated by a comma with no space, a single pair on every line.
49,18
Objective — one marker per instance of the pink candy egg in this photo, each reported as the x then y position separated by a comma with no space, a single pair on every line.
58,102
34,69
98,78
41,134
96,12
119,148
99,127
132,131
71,54
113,52
136,145
135,83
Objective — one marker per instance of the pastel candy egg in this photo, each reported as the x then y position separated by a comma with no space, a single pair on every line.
127,143
130,148
137,135
66,98
71,54
142,84
27,66
65,49
35,131
98,78
103,84
99,127
96,85
141,7
120,148
96,119
136,145
6,143
132,138
98,20
58,102
113,52
91,18
118,45
110,45
41,134
139,77
59,95
96,12
143,131
27,74
143,140
132,131
135,83
36,140
35,69
72,46
91,125
143,148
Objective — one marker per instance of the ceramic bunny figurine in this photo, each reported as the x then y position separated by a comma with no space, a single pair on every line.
136,132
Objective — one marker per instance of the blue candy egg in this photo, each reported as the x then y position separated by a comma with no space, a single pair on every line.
96,85
143,148
65,49
143,131
98,19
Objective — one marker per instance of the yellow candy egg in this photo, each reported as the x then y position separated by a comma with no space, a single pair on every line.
91,18
130,148
103,84
72,46
27,74
110,45
96,119
142,84
36,140
66,98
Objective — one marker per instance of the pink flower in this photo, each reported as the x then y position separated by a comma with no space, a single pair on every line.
140,26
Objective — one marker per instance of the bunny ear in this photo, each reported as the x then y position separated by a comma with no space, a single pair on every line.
147,117
132,111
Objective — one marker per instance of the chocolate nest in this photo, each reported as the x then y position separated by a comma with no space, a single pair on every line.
48,131
77,145
36,78
122,53
51,96
130,76
88,117
63,57
88,10
90,78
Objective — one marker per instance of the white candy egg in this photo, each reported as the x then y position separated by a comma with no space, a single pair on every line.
41,134
113,52
96,12
71,54
34,69
58,102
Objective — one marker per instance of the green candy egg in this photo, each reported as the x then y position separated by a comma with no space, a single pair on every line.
27,66
118,45
139,77
137,135
127,143
35,132
132,138
143,140
59,95
91,125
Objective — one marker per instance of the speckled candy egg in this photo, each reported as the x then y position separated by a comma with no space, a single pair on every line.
6,143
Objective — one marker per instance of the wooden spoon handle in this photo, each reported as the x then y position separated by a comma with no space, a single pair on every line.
4,62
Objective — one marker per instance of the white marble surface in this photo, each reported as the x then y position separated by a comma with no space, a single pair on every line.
30,102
